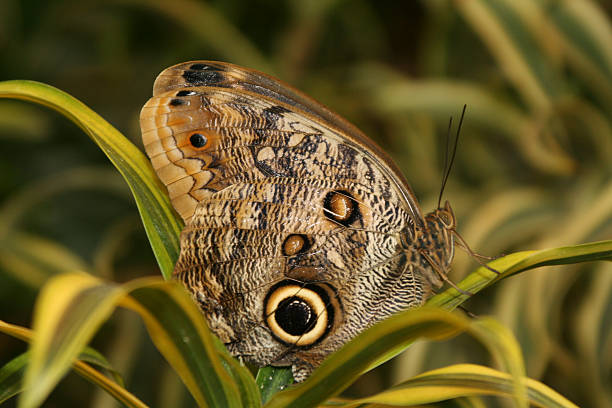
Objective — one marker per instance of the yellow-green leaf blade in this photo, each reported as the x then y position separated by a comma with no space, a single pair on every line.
11,375
520,262
11,381
161,223
114,388
507,39
272,380
341,368
180,334
506,266
249,393
68,311
33,259
586,32
344,366
462,380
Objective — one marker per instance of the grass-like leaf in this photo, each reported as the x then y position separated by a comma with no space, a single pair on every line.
65,324
33,259
249,392
11,376
160,222
585,31
507,266
476,281
15,374
500,28
272,380
397,95
520,262
179,331
343,367
460,381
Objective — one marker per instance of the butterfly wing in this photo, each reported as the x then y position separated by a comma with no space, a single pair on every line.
279,194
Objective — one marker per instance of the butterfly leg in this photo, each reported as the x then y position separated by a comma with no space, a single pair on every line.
479,258
442,274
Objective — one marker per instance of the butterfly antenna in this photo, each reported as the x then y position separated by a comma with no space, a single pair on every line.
448,163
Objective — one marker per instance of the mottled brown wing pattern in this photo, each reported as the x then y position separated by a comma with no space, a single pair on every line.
298,234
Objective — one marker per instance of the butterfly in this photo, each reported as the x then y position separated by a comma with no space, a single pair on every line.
300,232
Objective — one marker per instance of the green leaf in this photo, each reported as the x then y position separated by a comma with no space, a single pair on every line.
508,40
460,381
15,207
507,266
94,357
586,32
63,325
520,262
84,370
179,331
340,369
33,259
249,394
11,375
439,98
161,223
272,380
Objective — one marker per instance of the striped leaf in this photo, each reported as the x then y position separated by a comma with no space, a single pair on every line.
456,381
64,324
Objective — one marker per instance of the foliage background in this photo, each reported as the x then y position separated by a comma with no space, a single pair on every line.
533,171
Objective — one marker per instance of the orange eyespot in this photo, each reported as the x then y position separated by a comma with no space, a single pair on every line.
341,207
295,244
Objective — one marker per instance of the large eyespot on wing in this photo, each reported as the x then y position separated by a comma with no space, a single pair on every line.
300,314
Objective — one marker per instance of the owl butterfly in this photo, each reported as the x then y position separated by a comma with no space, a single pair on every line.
299,231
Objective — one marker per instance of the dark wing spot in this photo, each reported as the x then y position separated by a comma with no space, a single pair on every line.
185,93
295,316
198,140
177,102
273,114
200,78
293,309
277,110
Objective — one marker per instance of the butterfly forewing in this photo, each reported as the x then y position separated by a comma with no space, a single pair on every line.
279,193
224,75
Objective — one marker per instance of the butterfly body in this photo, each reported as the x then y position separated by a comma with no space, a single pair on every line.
299,231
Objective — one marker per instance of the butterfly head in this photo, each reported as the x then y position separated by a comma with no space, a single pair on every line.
442,218
435,243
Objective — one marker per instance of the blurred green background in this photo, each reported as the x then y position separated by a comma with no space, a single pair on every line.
534,167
